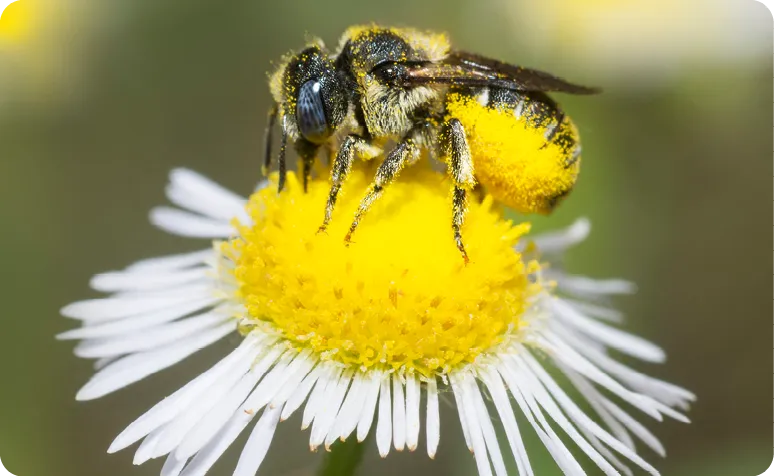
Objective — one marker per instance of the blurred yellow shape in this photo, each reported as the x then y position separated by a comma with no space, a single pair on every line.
14,20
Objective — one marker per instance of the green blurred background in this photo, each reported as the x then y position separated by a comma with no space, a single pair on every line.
98,100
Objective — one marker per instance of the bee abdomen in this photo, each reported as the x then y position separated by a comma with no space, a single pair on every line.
525,151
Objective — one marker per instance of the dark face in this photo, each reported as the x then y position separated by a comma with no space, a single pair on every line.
319,92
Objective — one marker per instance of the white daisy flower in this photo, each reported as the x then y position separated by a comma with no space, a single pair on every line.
364,338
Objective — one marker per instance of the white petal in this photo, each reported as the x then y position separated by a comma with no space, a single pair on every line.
384,424
222,410
205,458
623,341
346,420
147,280
485,422
135,367
433,419
197,289
461,411
134,323
473,425
190,190
295,375
595,401
326,383
189,225
219,443
220,413
564,354
559,241
369,406
148,339
412,411
326,416
258,444
636,427
533,386
182,425
172,466
167,409
164,264
499,395
596,310
105,309
299,395
530,409
668,411
102,363
274,379
582,419
145,450
664,392
647,386
398,414
582,286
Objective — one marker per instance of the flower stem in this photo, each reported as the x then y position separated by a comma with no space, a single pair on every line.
343,459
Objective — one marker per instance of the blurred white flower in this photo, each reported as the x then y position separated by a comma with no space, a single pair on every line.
633,39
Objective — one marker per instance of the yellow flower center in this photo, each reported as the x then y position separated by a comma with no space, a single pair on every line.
400,296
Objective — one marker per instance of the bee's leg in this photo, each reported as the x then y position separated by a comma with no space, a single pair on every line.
342,164
455,146
267,137
282,164
385,174
308,152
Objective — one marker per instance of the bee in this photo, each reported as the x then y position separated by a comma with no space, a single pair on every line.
491,123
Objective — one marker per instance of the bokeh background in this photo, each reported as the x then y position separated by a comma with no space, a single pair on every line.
98,100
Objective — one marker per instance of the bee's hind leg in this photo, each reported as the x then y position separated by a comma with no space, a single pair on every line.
454,146
385,174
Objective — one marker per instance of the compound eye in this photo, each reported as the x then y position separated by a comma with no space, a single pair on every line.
310,113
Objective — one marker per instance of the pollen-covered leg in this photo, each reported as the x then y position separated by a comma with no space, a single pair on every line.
386,173
308,152
342,164
459,208
455,147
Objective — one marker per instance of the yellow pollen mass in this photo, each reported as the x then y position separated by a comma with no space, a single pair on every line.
400,296
512,158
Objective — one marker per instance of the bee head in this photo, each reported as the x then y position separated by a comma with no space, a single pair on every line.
314,95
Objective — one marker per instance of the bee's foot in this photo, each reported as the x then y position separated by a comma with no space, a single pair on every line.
464,253
322,229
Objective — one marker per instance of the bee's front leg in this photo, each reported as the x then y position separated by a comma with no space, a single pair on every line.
385,174
283,169
342,165
267,138
308,152
454,145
